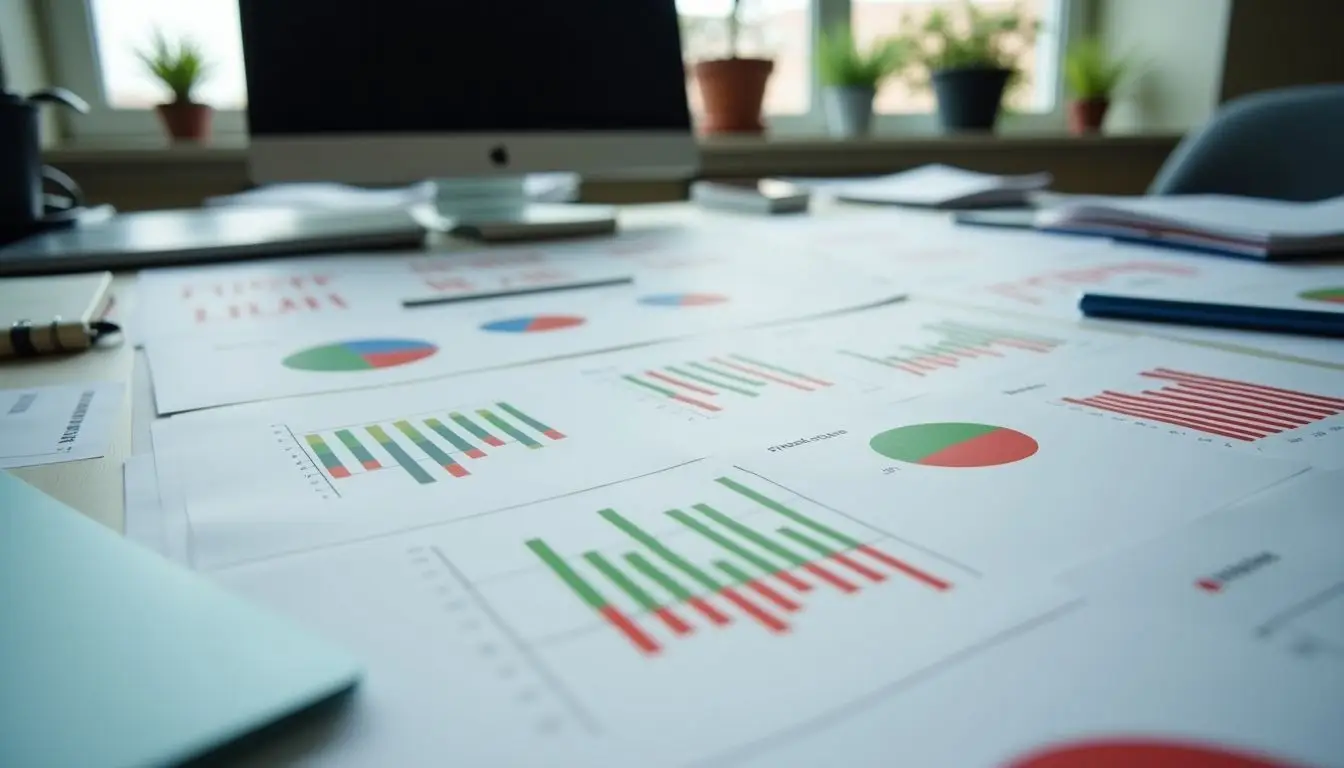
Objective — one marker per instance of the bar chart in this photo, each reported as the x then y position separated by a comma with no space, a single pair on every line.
426,447
955,344
1237,410
713,384
713,568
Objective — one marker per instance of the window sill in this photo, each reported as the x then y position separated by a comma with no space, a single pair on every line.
139,177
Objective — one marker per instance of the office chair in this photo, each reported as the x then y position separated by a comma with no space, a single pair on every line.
1283,144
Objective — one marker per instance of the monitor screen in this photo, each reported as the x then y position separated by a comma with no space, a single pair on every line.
333,67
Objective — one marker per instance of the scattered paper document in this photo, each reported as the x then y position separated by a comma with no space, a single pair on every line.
1268,568
1240,226
574,631
944,186
143,518
1001,485
1091,688
1182,392
51,425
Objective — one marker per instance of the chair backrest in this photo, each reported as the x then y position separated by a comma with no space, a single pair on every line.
1284,144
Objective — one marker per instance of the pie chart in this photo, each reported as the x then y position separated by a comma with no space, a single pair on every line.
1332,295
533,324
1126,753
682,299
360,355
954,444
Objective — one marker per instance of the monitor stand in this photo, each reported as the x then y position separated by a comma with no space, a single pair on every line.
497,209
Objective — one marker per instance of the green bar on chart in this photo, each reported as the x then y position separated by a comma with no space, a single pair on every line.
657,547
529,421
594,599
330,461
365,458
475,429
760,540
868,358
779,369
807,541
797,517
508,429
454,439
622,582
569,576
685,374
403,458
726,543
664,391
431,450
655,574
724,374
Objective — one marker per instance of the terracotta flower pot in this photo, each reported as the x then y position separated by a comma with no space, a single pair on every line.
733,91
185,120
1087,115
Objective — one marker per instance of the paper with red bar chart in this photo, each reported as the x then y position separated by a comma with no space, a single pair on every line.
277,475
1270,407
712,390
1001,485
664,620
1091,689
1268,568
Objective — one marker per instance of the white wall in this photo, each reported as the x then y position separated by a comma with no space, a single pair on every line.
1179,46
21,49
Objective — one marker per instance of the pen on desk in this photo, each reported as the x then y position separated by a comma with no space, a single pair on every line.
1243,317
604,283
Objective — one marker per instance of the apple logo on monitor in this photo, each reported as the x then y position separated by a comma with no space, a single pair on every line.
499,156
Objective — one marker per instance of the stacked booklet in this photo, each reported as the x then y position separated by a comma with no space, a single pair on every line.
944,187
1236,226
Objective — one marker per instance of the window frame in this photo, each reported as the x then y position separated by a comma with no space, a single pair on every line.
75,64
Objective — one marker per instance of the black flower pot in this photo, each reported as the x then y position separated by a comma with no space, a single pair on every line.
969,97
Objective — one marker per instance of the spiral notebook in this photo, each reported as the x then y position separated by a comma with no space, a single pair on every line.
45,315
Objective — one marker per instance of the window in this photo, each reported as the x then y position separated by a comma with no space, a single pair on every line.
784,30
94,41
780,30
120,27
1034,91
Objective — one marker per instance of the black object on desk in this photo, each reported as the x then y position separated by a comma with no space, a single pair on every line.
1304,322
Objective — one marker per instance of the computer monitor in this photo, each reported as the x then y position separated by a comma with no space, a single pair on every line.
393,91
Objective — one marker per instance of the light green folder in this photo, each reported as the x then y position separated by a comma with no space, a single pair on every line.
112,656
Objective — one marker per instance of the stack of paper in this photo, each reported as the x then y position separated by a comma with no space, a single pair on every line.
1239,226
943,186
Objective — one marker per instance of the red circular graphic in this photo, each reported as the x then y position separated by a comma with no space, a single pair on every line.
1143,753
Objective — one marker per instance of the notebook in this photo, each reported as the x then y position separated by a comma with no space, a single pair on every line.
115,657
1223,224
944,186
42,315
160,238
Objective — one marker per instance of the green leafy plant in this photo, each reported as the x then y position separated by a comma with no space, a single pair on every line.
972,37
841,63
179,65
1090,73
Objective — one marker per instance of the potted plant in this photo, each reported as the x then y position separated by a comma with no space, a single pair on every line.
1092,77
180,66
851,77
733,89
969,61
